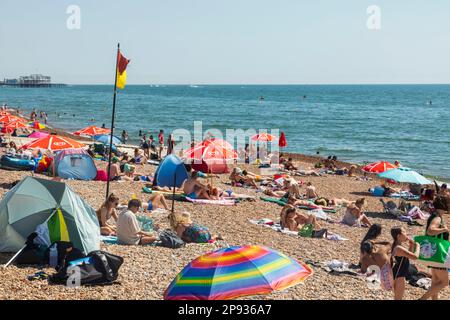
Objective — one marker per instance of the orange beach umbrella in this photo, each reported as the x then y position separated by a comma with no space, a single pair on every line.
11,126
92,131
10,118
54,143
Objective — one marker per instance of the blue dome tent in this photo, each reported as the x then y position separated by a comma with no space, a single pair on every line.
75,164
171,172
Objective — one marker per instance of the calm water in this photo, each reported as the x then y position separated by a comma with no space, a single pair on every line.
355,122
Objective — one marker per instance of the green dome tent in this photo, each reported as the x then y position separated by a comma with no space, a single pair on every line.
34,202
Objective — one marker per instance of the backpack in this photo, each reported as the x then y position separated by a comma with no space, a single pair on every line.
170,239
98,268
61,252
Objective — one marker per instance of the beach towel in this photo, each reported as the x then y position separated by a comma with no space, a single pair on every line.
109,239
223,202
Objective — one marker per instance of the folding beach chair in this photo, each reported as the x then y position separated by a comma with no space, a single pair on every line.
391,208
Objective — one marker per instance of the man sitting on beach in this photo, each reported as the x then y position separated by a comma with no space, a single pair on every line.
128,230
194,188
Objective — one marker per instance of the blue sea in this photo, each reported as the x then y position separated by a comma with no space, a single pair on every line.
358,123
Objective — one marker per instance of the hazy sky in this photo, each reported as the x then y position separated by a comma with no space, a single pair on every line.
228,41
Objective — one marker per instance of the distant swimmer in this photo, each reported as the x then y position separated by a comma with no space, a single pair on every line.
304,97
430,103
92,119
261,98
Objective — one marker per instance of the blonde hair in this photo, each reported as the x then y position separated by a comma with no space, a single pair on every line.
175,219
360,202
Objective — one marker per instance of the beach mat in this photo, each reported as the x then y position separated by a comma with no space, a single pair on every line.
223,202
311,207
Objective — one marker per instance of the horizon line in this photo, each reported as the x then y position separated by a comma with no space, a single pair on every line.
259,84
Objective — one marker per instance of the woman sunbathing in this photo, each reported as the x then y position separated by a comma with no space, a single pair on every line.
237,177
155,201
310,191
293,220
354,216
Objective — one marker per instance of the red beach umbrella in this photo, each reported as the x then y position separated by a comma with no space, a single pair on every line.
282,143
264,137
378,167
92,131
54,143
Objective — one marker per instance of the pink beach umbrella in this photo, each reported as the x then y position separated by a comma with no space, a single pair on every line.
38,135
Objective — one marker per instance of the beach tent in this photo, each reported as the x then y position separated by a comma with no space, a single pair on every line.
75,164
234,272
165,174
211,156
49,204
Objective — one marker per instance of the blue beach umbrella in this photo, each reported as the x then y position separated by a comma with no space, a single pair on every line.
404,175
105,139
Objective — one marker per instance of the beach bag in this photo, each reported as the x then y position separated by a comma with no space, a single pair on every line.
306,231
434,251
60,252
99,268
319,234
170,239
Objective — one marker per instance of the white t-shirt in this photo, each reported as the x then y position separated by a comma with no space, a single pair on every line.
128,228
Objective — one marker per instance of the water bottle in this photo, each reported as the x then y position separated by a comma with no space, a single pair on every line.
53,257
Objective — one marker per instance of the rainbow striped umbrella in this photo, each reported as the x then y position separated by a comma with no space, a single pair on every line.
235,272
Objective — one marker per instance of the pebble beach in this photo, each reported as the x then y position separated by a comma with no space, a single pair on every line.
147,271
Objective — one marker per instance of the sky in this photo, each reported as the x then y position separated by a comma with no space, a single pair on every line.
228,41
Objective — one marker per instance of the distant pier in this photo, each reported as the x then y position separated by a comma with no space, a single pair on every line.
31,81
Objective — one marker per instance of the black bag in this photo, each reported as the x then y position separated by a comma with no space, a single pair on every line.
320,233
170,239
102,269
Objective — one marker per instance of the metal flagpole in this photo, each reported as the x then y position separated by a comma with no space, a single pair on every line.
112,123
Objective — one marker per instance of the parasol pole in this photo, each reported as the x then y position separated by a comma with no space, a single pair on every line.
112,123
173,194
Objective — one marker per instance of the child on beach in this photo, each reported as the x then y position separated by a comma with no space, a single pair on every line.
161,143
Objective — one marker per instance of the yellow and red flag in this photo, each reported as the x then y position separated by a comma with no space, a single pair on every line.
122,64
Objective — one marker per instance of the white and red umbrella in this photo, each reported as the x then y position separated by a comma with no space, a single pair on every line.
379,167
264,137
54,143
13,125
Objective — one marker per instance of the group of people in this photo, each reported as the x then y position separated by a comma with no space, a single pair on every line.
126,227
394,258
148,145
